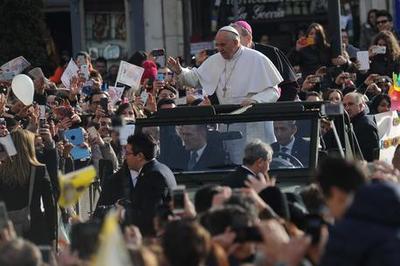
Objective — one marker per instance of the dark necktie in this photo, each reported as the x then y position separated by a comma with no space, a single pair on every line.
192,160
284,149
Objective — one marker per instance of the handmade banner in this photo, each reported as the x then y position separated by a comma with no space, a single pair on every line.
129,74
71,71
115,94
12,68
389,134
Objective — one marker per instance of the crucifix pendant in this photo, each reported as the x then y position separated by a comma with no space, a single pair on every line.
224,90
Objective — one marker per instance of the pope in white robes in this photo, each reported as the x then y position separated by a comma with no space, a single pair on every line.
237,75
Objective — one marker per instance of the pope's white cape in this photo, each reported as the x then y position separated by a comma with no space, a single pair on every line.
253,73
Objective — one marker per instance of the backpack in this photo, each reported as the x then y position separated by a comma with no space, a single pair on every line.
22,218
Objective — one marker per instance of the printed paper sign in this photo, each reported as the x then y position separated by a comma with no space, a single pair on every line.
125,132
389,134
12,68
71,71
8,145
363,59
129,74
115,94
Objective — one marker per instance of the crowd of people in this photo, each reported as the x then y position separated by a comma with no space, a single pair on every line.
349,214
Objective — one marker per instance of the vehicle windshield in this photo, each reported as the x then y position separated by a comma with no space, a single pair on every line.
220,146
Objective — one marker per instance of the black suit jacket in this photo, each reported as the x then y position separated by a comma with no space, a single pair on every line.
236,179
151,189
300,150
211,156
279,59
366,132
43,224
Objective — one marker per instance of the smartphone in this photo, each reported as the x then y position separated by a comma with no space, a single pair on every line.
178,199
3,122
42,109
310,41
160,76
42,123
3,215
3,90
92,132
247,234
379,50
75,136
80,60
313,227
144,96
46,252
104,104
158,52
85,71
315,79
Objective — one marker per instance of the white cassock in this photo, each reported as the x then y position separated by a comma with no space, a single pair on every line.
248,75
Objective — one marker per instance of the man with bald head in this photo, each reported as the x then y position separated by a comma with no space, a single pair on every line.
364,127
236,74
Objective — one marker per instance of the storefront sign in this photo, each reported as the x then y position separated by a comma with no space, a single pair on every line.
262,10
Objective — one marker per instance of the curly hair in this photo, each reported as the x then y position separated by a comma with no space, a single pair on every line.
393,48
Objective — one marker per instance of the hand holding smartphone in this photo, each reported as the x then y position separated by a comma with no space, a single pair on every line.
158,52
104,104
178,199
144,96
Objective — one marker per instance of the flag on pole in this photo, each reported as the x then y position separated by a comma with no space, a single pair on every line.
112,249
73,184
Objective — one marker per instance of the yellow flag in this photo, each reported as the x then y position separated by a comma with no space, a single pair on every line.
73,184
112,249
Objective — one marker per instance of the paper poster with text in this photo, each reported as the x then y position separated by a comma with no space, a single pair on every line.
129,74
115,94
71,71
389,134
12,68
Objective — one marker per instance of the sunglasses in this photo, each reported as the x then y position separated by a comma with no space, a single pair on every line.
382,22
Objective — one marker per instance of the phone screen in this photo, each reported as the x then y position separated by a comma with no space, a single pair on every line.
158,52
160,76
46,253
178,199
92,132
85,71
80,60
104,104
144,95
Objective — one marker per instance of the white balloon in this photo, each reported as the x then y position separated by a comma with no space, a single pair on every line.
23,88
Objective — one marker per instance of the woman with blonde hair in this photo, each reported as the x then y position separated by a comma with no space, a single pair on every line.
24,182
384,54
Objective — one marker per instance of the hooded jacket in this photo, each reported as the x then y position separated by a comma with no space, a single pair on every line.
369,234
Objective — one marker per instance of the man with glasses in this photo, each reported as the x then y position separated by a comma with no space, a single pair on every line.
142,180
384,20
